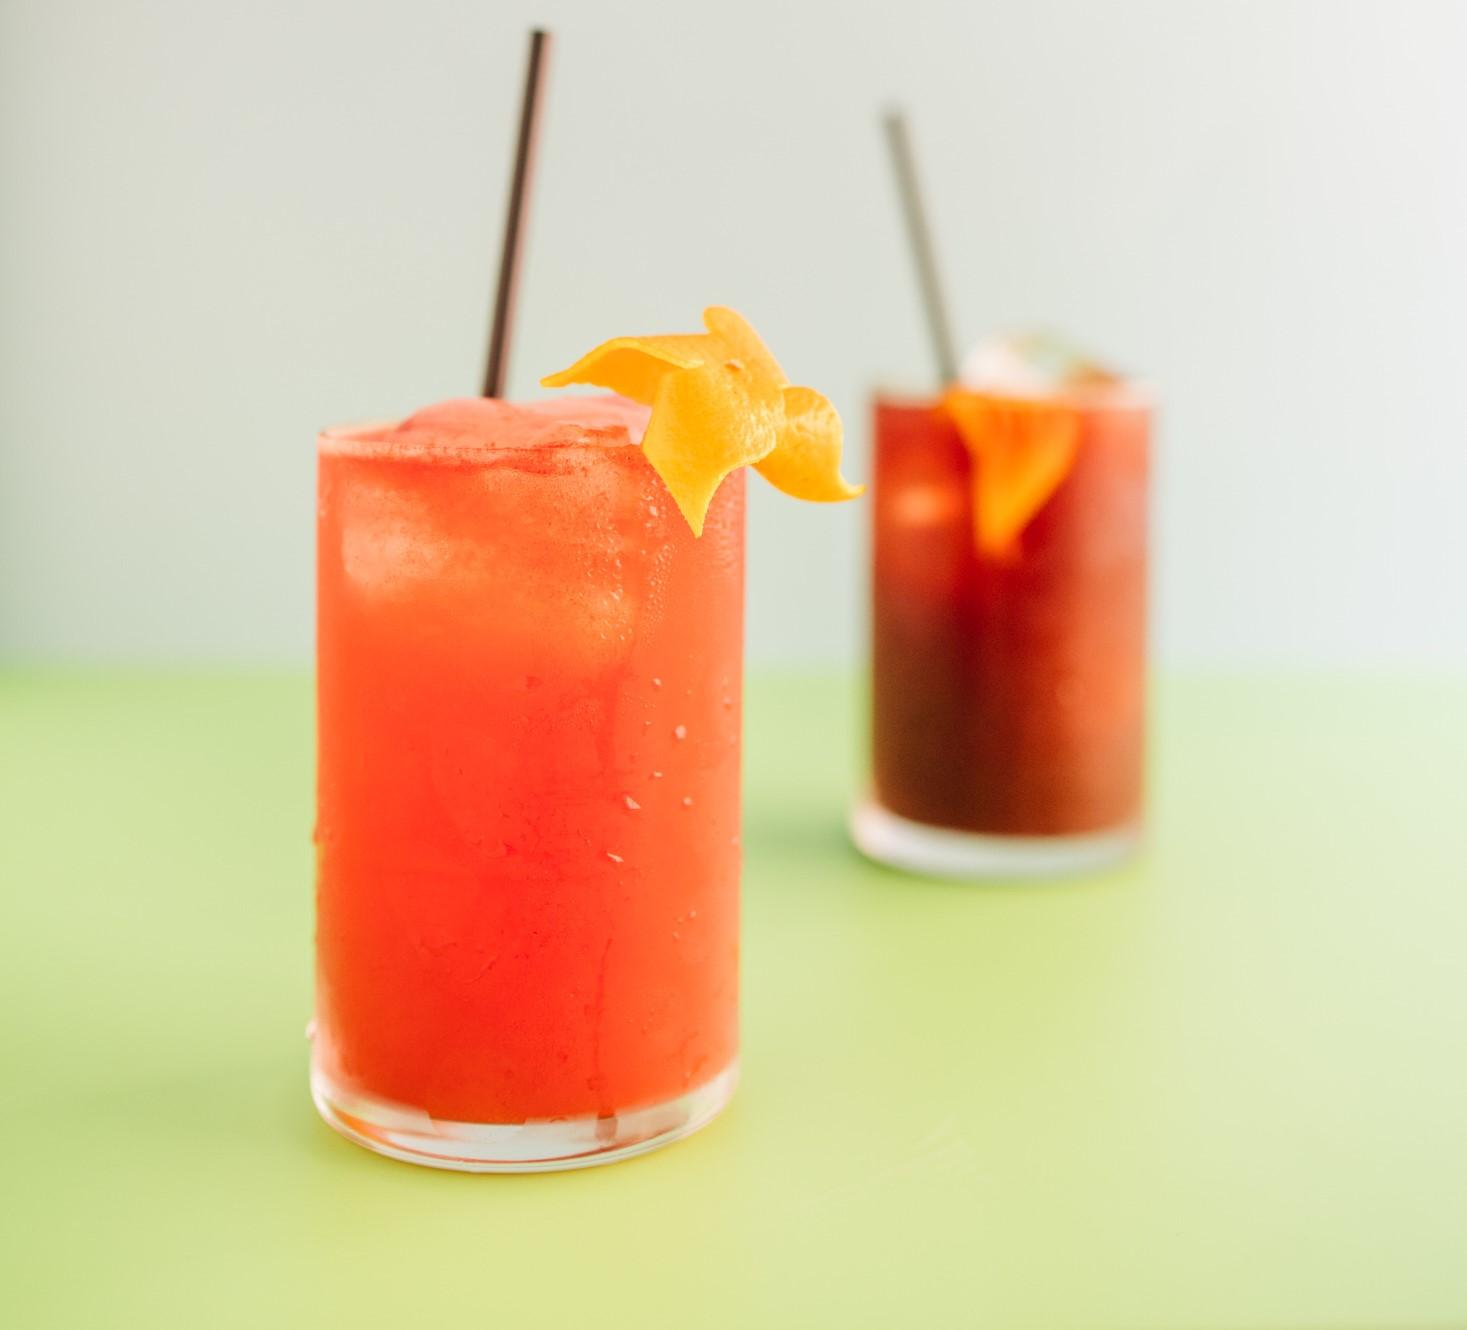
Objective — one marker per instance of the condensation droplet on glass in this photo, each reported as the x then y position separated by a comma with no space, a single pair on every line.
680,732
632,803
687,801
656,775
656,682
615,858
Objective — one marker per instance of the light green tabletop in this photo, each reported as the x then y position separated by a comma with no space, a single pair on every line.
1223,1087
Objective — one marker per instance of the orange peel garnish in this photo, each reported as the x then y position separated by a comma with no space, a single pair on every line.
720,401
1022,450
805,463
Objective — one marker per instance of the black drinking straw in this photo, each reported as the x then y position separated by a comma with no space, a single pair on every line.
514,220
920,236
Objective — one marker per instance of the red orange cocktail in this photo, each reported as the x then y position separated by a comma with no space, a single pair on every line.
529,702
530,634
1008,676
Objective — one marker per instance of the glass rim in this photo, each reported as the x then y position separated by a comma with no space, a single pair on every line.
365,440
1129,395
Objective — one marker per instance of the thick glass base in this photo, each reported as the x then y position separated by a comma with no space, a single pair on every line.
524,1147
941,852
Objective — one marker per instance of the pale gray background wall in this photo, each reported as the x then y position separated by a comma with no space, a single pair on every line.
227,224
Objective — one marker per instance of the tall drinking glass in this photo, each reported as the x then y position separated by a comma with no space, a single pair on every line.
529,695
1008,690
